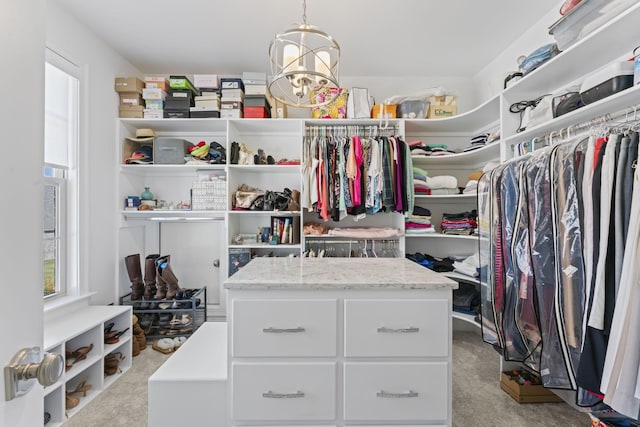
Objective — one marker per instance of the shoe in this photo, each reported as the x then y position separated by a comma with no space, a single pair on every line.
114,336
150,276
112,363
135,349
234,154
178,341
132,262
146,322
82,387
141,340
71,401
164,345
108,327
78,355
169,278
161,286
47,418
271,160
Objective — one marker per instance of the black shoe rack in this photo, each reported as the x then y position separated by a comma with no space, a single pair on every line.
168,318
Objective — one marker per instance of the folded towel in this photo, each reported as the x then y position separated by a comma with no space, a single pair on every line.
442,181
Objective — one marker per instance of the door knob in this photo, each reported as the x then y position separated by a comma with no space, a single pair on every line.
24,369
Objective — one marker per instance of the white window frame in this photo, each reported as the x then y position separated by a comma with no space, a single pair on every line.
66,180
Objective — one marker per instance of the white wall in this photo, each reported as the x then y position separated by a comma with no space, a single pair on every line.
101,64
489,81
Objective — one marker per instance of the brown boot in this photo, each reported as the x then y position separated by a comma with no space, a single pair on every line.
161,286
135,348
132,262
150,276
171,280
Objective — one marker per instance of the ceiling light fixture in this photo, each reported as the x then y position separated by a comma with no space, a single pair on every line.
302,59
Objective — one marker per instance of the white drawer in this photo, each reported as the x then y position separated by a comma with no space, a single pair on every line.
396,328
415,392
283,391
286,328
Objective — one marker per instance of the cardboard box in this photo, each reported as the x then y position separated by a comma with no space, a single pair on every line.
154,104
230,105
173,103
256,113
129,84
130,98
153,114
204,113
156,83
182,82
527,393
231,83
154,93
231,114
131,111
212,104
208,81
176,114
442,106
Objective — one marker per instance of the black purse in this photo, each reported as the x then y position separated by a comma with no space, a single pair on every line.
277,200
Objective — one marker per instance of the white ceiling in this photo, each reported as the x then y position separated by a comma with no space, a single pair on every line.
377,37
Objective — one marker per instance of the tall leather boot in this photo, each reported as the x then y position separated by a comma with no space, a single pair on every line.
150,276
132,262
170,279
161,286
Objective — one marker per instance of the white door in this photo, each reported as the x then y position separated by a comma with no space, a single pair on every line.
22,46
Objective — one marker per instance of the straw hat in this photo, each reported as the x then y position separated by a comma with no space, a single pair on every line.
143,135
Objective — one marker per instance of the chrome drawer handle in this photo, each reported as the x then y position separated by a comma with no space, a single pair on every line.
384,329
387,394
272,330
271,395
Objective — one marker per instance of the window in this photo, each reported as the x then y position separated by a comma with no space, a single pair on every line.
61,123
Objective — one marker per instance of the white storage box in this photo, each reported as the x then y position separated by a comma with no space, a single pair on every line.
607,81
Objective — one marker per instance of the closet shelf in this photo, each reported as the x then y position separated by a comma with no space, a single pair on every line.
481,155
269,213
619,101
183,127
169,169
264,245
176,215
609,42
482,117
442,236
466,318
448,197
289,169
459,277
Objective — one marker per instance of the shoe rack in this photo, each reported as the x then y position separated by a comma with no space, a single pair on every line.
165,318
79,335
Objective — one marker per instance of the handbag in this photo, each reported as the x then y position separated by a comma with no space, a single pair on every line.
277,200
245,196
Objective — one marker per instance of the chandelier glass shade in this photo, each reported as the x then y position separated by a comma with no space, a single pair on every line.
303,59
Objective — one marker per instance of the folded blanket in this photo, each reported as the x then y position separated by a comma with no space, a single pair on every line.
442,181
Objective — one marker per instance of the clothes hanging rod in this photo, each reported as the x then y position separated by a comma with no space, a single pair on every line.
572,130
333,242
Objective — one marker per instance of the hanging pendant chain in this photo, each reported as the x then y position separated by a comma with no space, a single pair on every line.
304,12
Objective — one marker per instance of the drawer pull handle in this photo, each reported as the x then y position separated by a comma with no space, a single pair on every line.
271,395
384,329
386,394
271,330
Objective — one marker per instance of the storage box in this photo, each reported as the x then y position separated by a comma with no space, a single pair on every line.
526,393
202,81
384,111
131,111
129,84
173,103
176,114
607,81
182,82
256,113
153,114
231,83
256,101
181,93
413,109
442,106
204,113
154,93
156,83
154,104
231,114
130,98
230,105
170,151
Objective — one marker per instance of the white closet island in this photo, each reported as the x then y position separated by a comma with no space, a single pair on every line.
339,341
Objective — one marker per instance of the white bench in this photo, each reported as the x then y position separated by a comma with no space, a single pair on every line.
190,388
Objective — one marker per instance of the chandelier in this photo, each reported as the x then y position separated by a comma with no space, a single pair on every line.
303,59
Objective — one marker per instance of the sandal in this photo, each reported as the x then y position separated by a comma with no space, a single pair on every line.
112,362
108,327
82,387
114,336
178,341
78,355
71,401
164,345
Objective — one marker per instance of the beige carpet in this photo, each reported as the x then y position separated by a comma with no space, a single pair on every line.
478,400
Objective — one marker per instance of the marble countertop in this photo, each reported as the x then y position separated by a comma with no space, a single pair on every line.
336,273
